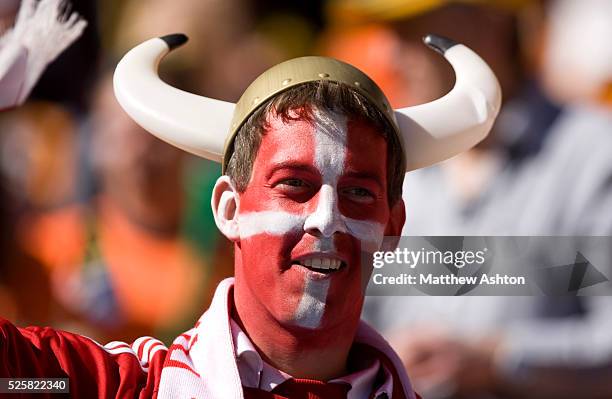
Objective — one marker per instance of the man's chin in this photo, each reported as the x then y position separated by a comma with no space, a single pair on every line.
315,322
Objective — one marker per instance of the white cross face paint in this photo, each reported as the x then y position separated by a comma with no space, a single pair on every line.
312,305
274,223
304,218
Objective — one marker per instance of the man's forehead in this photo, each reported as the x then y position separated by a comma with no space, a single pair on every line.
304,140
304,117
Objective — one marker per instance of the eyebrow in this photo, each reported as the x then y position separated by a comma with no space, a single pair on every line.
365,175
295,165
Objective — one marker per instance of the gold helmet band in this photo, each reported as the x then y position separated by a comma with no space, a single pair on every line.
429,133
298,71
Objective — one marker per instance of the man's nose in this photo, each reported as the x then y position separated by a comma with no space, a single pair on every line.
325,220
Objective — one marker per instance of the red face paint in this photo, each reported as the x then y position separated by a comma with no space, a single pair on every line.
316,199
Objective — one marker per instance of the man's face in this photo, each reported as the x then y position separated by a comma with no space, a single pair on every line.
317,198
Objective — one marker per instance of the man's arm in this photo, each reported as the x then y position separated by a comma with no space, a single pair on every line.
116,370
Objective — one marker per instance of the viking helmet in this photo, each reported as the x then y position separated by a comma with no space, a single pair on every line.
429,133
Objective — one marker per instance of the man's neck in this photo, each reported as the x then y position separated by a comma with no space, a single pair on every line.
301,353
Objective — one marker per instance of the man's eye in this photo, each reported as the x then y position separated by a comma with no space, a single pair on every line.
293,186
360,194
293,183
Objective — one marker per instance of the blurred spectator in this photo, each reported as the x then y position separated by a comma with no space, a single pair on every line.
138,220
36,168
104,255
542,171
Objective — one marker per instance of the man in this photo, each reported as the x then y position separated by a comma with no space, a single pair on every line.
313,166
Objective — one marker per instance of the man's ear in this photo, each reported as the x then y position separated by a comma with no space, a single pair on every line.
397,218
224,205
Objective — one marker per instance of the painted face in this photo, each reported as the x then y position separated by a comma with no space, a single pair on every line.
317,198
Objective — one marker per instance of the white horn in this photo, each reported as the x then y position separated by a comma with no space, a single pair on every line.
440,129
194,123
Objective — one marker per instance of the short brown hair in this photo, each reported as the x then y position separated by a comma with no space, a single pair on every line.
299,103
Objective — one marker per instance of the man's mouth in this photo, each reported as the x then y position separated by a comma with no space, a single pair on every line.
322,264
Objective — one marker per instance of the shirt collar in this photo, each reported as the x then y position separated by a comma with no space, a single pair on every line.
256,373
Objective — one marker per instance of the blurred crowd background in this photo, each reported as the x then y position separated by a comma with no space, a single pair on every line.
106,231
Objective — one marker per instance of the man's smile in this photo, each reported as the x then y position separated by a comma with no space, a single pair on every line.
321,263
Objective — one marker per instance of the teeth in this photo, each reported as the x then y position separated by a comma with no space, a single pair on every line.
322,263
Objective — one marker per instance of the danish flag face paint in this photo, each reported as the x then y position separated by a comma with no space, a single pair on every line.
317,198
